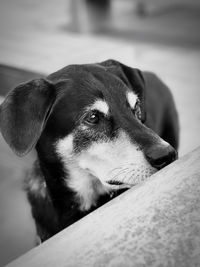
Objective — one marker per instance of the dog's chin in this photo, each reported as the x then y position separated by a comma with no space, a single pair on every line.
117,191
116,188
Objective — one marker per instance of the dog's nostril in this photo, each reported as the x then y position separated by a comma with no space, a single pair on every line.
161,162
160,157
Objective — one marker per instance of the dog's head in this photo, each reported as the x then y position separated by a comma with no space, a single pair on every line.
91,119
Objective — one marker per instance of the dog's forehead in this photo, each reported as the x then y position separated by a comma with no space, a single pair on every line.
94,84
88,89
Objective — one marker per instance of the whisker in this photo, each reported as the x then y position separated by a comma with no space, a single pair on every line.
127,174
119,173
118,168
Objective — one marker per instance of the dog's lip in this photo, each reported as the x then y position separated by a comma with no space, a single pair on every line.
113,182
117,185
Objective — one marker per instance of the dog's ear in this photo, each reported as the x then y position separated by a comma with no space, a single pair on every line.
24,112
132,77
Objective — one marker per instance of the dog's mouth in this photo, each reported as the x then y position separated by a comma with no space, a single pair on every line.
116,185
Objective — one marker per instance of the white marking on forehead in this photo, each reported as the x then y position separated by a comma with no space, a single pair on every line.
163,142
132,99
101,106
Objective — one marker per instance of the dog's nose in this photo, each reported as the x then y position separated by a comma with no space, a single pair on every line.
160,156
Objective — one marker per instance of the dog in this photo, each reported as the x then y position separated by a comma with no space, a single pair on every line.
98,129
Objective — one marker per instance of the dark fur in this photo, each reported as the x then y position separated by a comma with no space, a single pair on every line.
50,103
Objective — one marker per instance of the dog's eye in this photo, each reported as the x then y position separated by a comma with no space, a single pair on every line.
137,111
92,118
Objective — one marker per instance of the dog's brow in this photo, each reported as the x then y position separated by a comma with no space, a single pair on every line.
101,106
132,98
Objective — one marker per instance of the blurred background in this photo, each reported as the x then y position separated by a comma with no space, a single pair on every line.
39,37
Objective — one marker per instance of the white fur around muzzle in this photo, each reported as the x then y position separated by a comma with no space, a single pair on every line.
92,170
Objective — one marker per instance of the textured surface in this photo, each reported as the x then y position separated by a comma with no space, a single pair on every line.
154,224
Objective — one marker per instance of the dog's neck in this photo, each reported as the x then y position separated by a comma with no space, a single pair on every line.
61,196
87,187
72,188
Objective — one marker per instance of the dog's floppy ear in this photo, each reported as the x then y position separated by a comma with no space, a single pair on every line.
132,77
24,112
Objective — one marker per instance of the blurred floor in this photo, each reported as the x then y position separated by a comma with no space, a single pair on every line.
44,36
162,23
